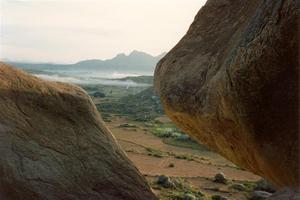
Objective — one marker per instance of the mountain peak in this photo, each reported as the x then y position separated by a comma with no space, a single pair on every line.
138,53
120,55
135,61
135,52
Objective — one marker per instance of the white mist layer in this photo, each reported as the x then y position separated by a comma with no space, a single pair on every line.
94,79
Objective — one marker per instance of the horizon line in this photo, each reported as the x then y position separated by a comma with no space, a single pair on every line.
72,63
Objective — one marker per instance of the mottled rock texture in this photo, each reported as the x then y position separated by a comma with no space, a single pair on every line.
286,194
232,82
55,146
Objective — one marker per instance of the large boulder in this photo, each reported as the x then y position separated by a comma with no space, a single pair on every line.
232,83
54,145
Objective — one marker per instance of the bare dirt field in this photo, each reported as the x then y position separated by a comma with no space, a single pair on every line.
196,168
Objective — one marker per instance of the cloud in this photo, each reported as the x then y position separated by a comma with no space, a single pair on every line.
43,1
72,30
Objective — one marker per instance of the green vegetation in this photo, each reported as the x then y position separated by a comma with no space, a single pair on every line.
112,92
188,157
166,131
159,154
106,117
139,79
128,126
142,109
99,94
142,106
156,153
172,136
191,144
249,185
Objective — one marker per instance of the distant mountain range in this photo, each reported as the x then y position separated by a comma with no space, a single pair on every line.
136,61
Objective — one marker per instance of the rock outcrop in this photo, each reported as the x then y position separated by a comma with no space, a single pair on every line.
55,146
232,83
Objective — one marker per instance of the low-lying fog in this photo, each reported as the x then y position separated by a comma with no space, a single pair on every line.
91,77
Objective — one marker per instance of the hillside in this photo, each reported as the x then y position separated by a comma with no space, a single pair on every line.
139,79
142,106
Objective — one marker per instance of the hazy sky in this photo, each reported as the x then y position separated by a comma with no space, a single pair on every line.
66,31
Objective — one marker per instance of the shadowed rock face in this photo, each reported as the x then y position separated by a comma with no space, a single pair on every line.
232,82
55,146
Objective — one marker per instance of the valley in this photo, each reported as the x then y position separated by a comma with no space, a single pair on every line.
157,147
